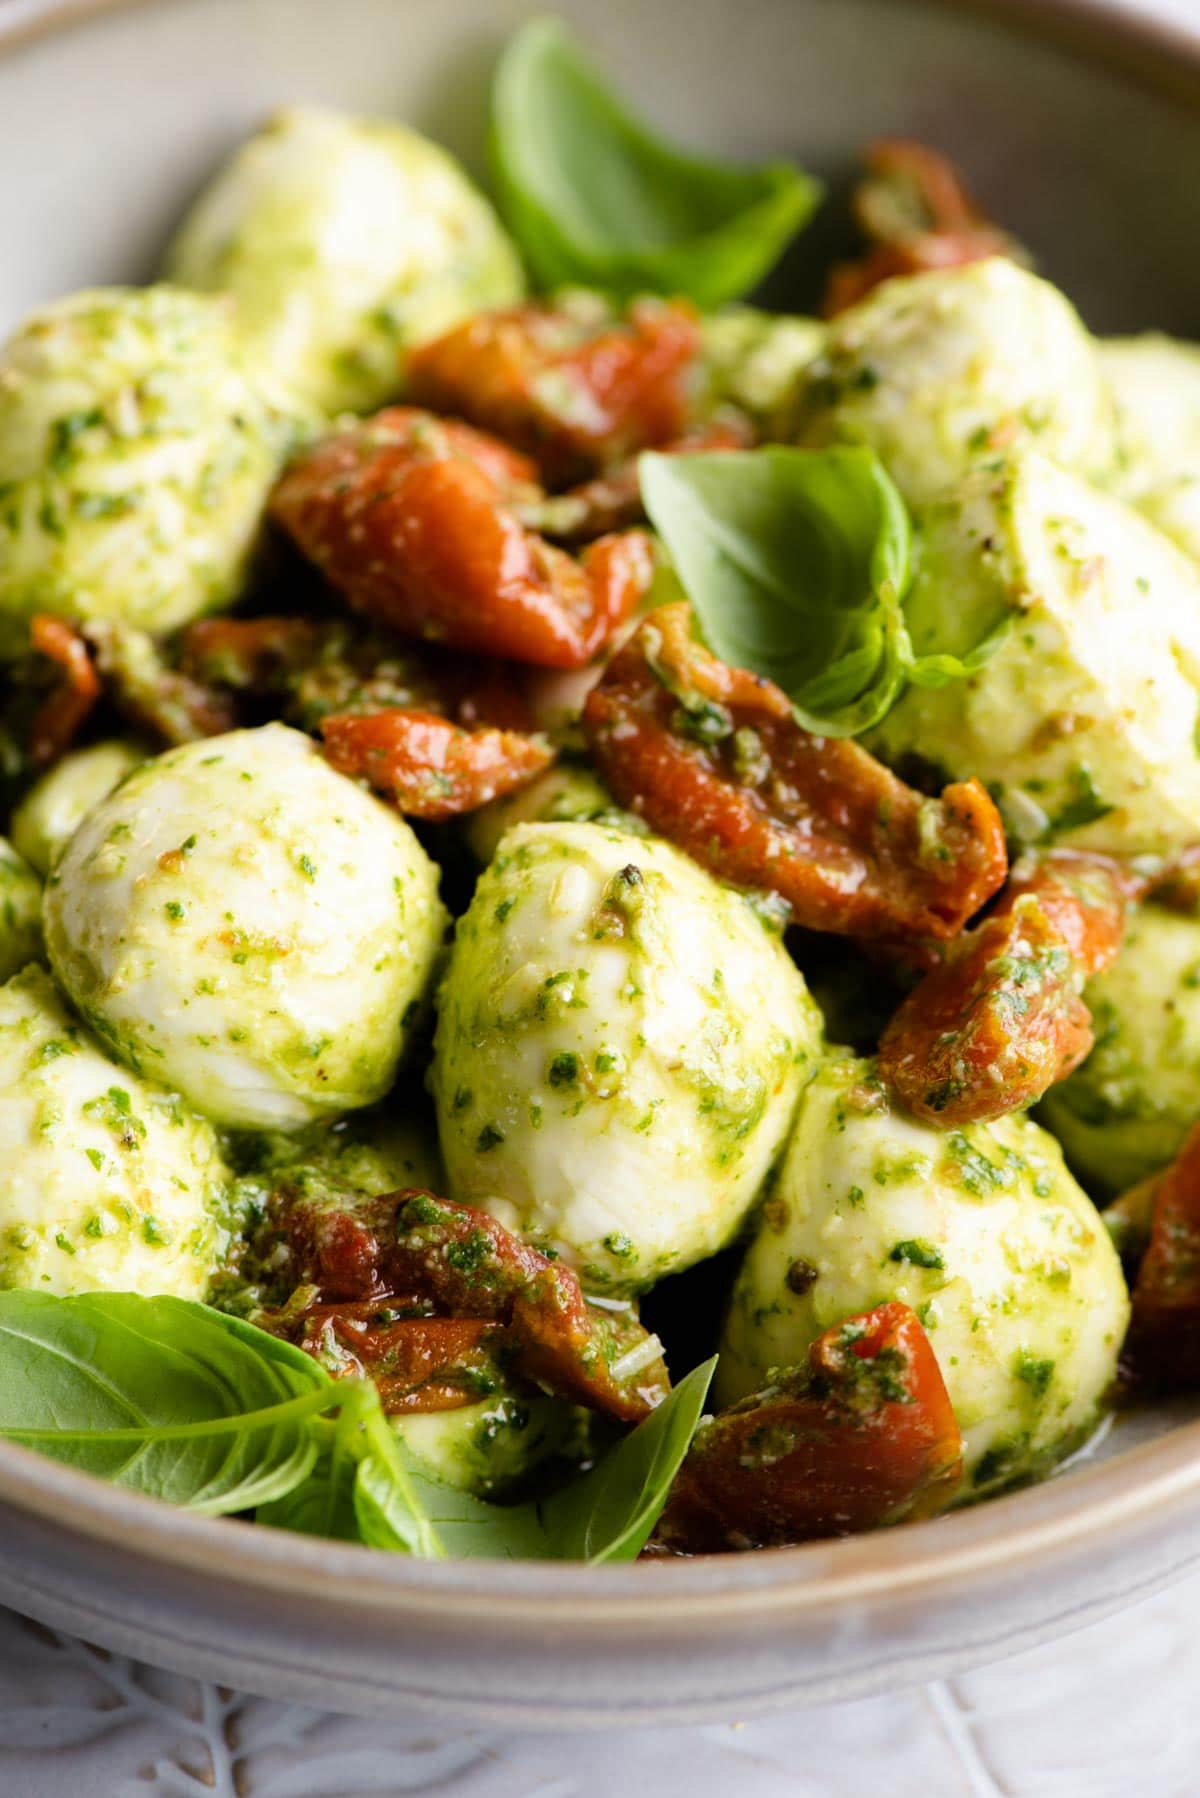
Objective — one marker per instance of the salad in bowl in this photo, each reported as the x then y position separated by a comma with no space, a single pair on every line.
601,899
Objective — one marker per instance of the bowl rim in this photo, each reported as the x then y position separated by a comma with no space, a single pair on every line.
1152,1480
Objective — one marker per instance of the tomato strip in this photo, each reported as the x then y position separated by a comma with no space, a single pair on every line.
864,1436
59,717
917,215
407,517
1001,1020
577,393
714,759
1163,1347
429,767
365,1270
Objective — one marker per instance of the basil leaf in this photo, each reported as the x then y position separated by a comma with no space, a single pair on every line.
322,1504
160,1396
937,668
606,1515
796,563
594,198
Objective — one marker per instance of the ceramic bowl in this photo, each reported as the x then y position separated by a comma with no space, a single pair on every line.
1081,127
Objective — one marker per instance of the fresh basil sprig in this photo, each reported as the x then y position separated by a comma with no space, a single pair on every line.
605,1515
170,1398
796,563
160,1396
594,198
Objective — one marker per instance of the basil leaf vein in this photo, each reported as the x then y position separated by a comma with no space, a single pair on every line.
160,1396
594,197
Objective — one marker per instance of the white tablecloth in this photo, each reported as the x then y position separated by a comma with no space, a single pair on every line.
1112,1712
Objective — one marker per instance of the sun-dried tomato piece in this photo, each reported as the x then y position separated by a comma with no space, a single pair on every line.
862,1437
714,759
418,1256
318,668
1162,1349
578,390
994,1027
417,1363
405,518
916,214
1084,895
1176,882
613,501
162,700
76,689
251,655
1001,1020
429,767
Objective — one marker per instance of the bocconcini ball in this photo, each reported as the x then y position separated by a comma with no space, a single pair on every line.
369,1153
1126,1111
107,1182
20,912
982,1231
566,793
756,361
620,1045
344,242
56,805
1155,383
136,453
1084,721
491,1448
936,371
244,924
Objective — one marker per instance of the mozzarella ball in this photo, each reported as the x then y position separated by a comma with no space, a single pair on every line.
756,361
491,1448
1084,720
566,793
620,1045
982,1231
1155,383
1125,1112
107,1183
136,454
56,805
370,1153
344,242
242,923
936,371
20,912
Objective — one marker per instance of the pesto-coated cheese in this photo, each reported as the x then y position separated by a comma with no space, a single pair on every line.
755,360
492,1447
137,449
567,793
620,1045
107,1182
937,371
1126,1111
242,923
344,242
56,805
982,1231
1155,383
371,1152
1084,721
20,912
